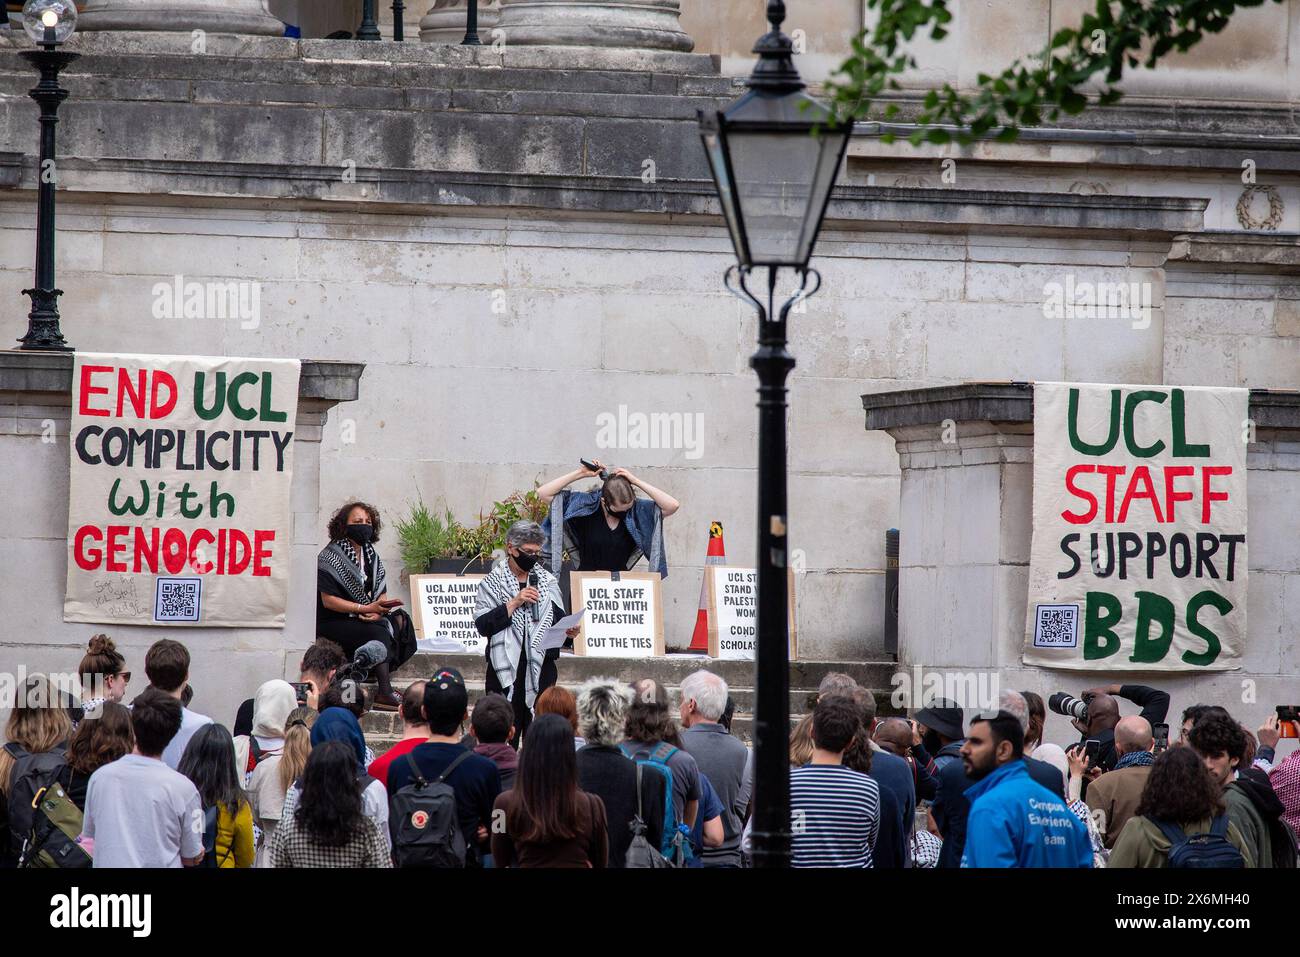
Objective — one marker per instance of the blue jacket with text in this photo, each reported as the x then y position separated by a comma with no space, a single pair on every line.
1016,822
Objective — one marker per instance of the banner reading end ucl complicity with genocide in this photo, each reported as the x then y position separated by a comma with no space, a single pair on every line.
1139,547
178,509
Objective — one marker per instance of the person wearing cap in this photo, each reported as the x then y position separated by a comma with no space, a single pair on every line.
516,603
940,725
475,780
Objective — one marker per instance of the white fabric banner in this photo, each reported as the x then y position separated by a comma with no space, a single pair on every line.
1139,552
178,506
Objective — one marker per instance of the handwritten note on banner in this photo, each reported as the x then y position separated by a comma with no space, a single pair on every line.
622,619
178,508
1139,555
444,620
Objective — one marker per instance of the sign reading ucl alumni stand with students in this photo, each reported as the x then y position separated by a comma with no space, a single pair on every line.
1139,551
178,509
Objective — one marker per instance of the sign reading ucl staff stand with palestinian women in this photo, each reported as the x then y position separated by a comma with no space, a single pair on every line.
178,510
1139,550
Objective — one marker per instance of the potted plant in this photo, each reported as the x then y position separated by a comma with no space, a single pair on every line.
435,542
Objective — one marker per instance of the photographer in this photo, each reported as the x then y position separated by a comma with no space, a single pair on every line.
1096,712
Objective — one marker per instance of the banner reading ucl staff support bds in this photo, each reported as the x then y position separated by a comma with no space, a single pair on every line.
1139,552
178,509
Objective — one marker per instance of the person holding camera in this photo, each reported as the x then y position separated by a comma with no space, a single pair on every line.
352,606
609,528
1095,714
517,602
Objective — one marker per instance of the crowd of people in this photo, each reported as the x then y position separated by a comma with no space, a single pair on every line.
615,776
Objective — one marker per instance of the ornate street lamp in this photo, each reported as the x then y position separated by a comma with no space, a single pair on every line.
49,23
369,29
774,155
471,25
399,28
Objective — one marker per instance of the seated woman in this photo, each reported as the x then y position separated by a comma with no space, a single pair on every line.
353,606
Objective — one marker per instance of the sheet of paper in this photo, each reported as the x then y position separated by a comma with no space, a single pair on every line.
555,635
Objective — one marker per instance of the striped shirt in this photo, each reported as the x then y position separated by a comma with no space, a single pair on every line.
835,816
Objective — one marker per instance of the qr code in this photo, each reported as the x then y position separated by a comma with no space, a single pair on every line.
1056,626
177,599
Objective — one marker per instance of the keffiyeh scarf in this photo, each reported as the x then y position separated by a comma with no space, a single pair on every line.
505,647
1135,759
338,559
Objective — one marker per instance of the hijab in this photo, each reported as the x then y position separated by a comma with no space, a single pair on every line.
340,724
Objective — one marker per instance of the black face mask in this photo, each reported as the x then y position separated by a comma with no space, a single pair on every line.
361,533
526,561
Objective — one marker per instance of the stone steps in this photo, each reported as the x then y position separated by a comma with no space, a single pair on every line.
383,728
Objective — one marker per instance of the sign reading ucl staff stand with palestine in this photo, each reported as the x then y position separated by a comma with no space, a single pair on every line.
733,612
178,510
1139,550
621,619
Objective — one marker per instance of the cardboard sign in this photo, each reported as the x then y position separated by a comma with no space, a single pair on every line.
1139,551
178,500
623,619
733,612
445,617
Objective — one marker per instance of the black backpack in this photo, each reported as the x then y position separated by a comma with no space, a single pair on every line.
31,774
1212,849
422,820
56,824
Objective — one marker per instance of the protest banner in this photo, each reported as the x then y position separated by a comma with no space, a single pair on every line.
178,503
444,619
623,617
1139,558
733,612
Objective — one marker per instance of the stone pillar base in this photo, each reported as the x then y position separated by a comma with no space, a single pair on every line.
638,24
181,16
445,22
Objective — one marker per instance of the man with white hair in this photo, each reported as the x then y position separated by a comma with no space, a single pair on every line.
721,757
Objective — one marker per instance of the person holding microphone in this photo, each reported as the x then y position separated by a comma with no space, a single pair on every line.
607,528
517,601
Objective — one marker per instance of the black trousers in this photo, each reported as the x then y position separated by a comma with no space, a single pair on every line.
352,633
519,699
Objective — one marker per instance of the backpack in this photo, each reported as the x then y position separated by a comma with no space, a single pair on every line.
56,824
676,846
31,774
639,853
422,820
1212,849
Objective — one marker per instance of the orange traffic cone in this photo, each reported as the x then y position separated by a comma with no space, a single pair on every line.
716,555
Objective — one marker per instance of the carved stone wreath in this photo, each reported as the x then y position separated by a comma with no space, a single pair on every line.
1275,207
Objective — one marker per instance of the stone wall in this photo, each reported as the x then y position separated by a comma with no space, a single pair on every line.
483,228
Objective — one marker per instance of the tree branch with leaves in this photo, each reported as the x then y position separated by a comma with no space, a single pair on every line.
1117,35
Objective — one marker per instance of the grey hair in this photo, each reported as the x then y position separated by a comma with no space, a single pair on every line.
1013,703
709,692
602,710
837,683
525,532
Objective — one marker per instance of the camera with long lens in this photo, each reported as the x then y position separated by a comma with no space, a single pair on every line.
1069,706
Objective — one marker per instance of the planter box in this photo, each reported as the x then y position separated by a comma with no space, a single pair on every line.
458,566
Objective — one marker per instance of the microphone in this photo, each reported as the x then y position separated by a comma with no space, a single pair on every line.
368,655
537,605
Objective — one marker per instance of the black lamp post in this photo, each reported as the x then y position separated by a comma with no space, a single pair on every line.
471,25
369,29
49,23
399,28
774,155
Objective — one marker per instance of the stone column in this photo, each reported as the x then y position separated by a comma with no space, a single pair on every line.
182,16
966,522
445,21
636,24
